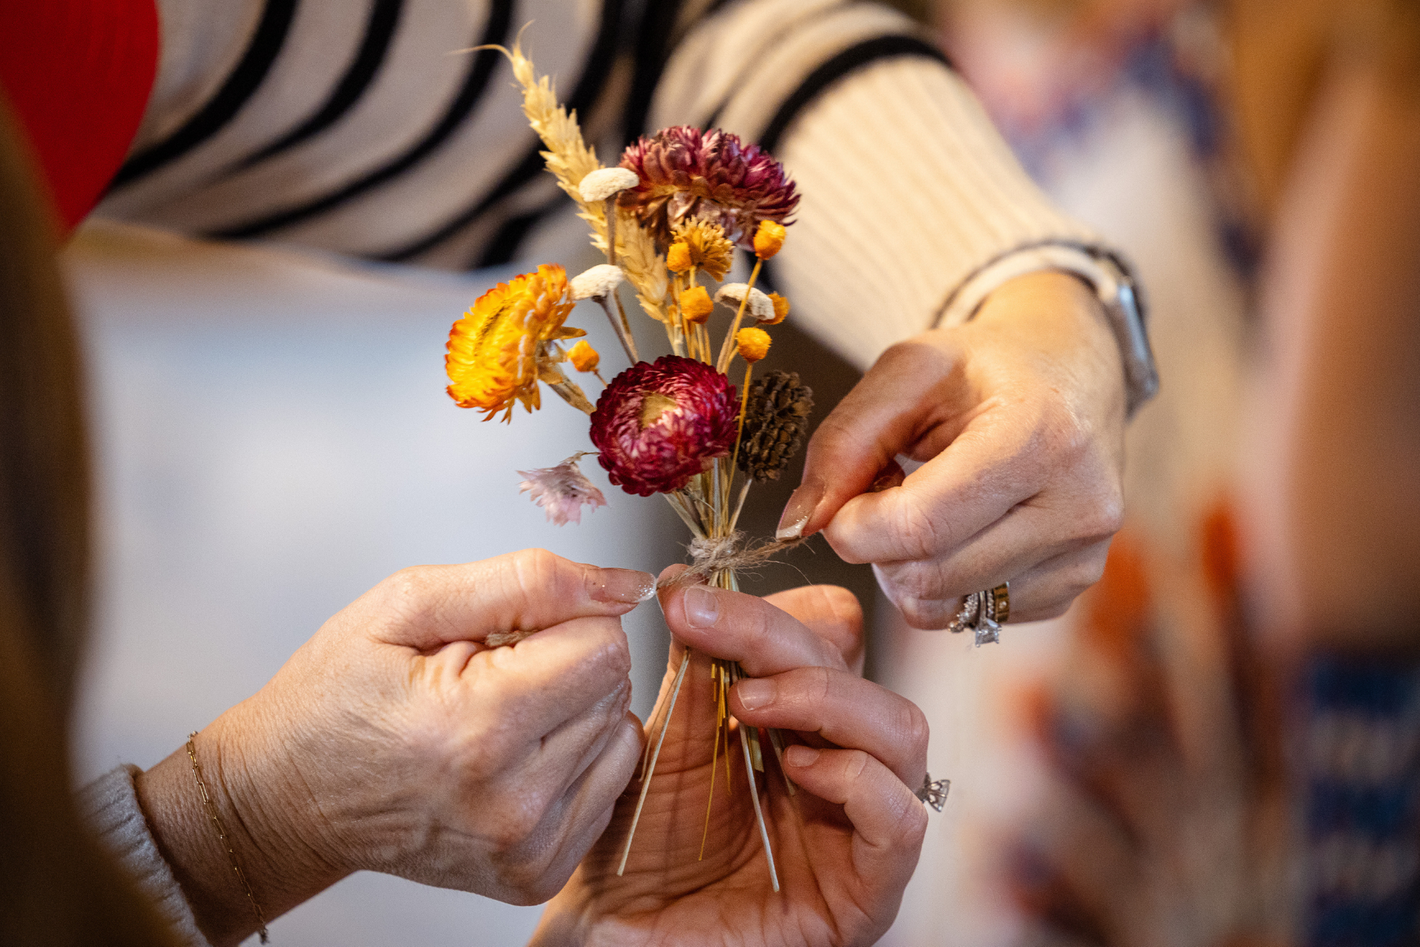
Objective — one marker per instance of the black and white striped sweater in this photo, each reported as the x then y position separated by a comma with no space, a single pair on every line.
369,127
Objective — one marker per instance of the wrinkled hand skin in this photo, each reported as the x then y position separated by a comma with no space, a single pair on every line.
1018,420
845,845
395,740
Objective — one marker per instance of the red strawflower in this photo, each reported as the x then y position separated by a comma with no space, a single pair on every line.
686,172
659,424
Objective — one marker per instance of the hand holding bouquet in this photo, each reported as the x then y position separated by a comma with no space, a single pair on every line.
668,219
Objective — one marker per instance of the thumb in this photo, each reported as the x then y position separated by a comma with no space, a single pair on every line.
884,415
427,607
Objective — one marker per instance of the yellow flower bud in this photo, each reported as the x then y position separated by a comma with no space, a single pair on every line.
584,358
753,344
678,258
695,304
768,239
781,310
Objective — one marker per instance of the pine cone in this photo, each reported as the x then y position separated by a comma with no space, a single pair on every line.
776,419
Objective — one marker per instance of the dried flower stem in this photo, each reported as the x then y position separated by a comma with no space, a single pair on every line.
740,431
681,504
550,375
727,349
609,212
776,740
758,814
722,725
740,503
651,770
628,339
620,326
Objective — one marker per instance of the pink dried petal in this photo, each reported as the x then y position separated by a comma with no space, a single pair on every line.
562,491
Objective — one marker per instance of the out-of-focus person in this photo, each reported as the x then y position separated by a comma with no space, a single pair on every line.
1233,737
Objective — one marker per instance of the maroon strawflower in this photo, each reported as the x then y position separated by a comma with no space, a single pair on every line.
659,424
686,172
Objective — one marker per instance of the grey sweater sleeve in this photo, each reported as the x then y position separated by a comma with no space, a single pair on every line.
110,806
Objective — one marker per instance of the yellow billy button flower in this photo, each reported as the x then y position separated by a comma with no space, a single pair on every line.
695,304
493,351
678,258
583,357
753,344
781,310
768,239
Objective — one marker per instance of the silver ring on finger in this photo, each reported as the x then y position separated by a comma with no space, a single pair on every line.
982,614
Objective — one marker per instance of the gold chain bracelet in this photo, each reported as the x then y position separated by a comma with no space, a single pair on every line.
211,808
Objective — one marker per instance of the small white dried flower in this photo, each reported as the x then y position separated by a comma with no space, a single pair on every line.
604,182
600,280
562,490
760,308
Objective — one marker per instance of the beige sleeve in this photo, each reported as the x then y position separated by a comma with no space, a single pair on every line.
912,208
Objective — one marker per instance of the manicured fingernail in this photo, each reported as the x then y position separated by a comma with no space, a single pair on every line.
626,586
800,755
756,692
702,606
797,511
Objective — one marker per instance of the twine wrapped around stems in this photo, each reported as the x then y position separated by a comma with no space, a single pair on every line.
732,553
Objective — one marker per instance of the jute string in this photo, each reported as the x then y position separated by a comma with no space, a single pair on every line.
733,553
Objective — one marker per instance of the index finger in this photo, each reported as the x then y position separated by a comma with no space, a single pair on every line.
878,419
427,607
986,471
739,627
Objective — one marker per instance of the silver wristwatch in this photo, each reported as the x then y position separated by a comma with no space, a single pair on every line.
1103,269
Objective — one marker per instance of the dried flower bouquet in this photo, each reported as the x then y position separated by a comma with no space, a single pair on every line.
668,219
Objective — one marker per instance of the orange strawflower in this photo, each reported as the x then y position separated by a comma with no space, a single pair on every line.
493,351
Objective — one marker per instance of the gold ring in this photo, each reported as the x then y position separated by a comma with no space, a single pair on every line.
1000,602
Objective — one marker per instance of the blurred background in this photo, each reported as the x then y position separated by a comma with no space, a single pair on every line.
273,439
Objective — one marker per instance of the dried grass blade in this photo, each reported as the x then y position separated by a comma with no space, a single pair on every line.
651,771
758,813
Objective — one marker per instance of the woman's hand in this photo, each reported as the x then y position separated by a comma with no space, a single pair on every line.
396,740
1018,420
844,845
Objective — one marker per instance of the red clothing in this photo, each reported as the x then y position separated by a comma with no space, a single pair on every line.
77,74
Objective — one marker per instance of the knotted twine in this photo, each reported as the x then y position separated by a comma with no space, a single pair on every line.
732,553
707,556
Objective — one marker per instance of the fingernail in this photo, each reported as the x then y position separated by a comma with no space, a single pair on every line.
626,586
890,476
797,511
702,606
755,692
800,755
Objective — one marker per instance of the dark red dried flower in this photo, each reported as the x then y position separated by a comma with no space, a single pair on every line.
686,172
659,424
